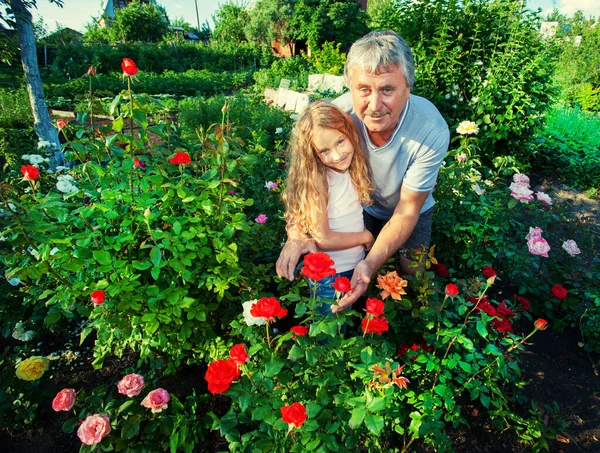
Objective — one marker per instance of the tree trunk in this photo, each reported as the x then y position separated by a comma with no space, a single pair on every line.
42,123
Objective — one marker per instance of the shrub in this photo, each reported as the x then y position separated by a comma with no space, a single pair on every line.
295,69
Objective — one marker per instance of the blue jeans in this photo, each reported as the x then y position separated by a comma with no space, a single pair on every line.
325,290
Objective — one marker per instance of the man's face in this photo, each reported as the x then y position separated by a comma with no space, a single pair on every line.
379,99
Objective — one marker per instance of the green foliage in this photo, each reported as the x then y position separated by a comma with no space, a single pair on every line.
15,111
230,21
481,61
364,391
295,69
328,59
139,22
317,22
269,21
76,58
190,83
570,142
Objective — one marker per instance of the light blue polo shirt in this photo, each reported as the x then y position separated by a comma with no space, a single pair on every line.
411,158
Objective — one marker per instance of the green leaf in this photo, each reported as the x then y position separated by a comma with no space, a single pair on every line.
442,390
102,257
295,353
376,404
374,423
152,326
70,425
177,227
465,366
114,104
357,417
118,124
273,367
126,405
481,329
155,256
130,428
512,203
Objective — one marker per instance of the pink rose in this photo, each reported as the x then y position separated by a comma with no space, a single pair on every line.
534,233
156,400
571,247
538,246
521,192
519,177
261,218
64,400
544,198
93,429
131,385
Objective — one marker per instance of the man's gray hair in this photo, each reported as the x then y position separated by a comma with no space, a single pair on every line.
376,51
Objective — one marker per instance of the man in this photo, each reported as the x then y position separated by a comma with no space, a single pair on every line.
405,138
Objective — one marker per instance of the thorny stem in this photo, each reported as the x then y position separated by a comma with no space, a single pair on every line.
130,106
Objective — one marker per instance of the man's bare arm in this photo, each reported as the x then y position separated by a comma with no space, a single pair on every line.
393,235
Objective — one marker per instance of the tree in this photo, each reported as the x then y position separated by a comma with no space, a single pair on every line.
140,22
230,21
20,17
269,21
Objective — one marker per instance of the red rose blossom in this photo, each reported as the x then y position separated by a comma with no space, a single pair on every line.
342,285
558,291
475,299
301,331
504,311
180,159
440,269
294,414
129,67
268,308
98,296
502,325
238,354
375,307
451,289
524,303
91,71
30,172
541,324
375,325
487,308
137,163
220,374
488,272
317,266
61,123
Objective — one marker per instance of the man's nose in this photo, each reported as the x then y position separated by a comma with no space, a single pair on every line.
375,103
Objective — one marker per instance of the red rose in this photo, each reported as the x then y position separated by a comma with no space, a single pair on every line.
30,172
64,400
238,354
301,331
502,325
137,163
61,123
451,289
474,300
524,303
342,285
294,414
504,311
91,71
317,266
98,296
375,325
129,67
488,272
268,308
220,374
487,308
558,291
541,324
180,159
440,269
375,307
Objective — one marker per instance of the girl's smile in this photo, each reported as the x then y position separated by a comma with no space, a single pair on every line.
333,148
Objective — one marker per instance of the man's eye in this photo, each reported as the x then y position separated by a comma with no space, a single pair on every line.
364,90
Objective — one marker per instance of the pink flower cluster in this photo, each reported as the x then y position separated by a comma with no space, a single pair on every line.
536,243
519,189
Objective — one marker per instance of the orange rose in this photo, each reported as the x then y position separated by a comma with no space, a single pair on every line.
392,285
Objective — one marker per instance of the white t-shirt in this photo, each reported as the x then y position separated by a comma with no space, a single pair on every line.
345,216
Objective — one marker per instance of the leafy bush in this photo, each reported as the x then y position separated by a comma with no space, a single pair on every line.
295,69
570,142
16,132
328,59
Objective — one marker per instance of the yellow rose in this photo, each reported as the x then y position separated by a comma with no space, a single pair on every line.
32,368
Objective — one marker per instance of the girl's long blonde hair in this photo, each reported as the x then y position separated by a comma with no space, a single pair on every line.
306,188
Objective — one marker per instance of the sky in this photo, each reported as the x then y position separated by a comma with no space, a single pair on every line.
76,14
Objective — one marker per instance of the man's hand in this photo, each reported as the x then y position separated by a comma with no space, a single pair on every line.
359,283
290,254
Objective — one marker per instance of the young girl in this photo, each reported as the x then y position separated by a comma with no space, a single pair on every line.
328,179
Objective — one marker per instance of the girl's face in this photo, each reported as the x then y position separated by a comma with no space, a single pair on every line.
333,148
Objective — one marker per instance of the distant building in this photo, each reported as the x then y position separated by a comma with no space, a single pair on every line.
63,36
110,6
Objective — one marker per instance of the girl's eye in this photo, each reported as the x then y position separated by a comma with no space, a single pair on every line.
324,151
341,141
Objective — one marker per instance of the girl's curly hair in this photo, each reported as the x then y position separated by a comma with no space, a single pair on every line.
306,188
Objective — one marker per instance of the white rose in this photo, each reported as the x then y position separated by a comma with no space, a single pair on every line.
251,320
